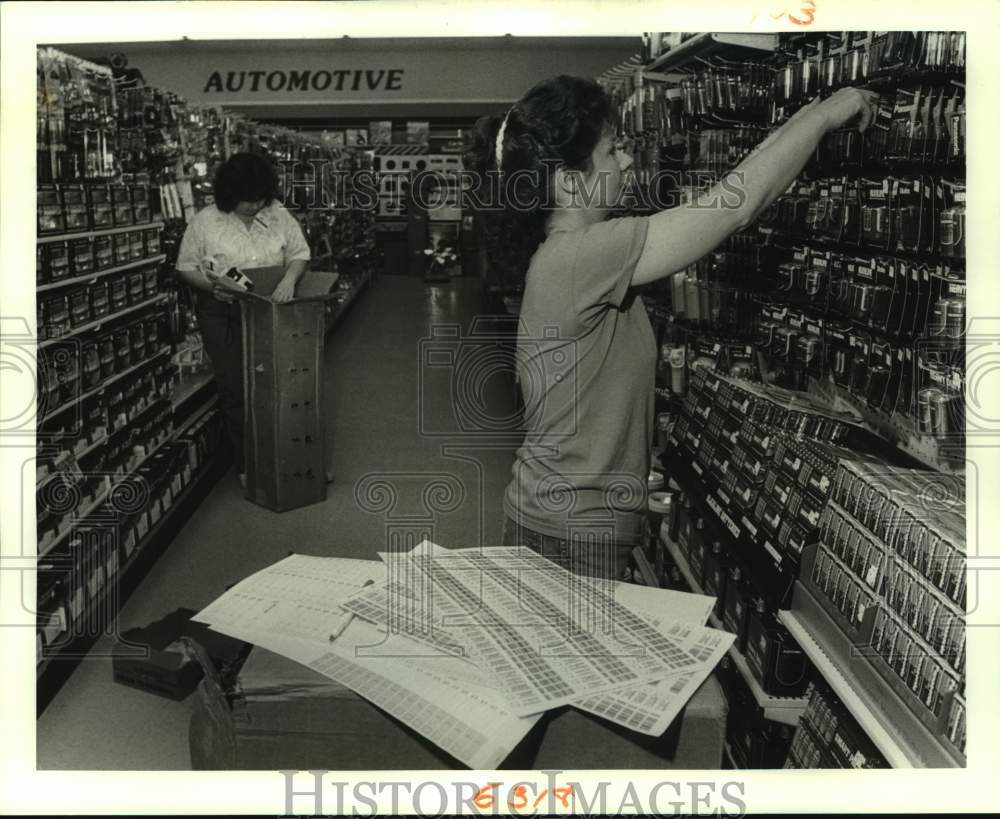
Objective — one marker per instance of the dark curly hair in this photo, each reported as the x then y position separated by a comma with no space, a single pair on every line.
557,123
245,177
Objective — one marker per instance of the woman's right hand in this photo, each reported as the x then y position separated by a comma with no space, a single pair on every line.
222,293
224,288
846,104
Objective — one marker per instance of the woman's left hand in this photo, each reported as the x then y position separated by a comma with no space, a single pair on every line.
285,291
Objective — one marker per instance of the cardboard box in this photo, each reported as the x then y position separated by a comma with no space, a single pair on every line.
282,715
285,443
574,740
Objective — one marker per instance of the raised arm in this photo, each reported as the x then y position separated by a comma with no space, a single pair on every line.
680,236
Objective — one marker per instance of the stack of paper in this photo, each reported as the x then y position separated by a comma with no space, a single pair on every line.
469,647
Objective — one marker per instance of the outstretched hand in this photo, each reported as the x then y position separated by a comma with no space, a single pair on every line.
848,104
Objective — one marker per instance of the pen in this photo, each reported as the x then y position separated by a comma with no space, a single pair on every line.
349,616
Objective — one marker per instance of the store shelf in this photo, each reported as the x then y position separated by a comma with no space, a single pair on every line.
352,294
65,237
90,278
103,386
103,496
690,476
786,710
189,386
708,44
898,431
94,325
646,571
903,740
193,418
85,451
858,249
56,667
173,436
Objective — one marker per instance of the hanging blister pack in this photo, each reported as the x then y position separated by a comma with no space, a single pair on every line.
951,219
879,374
883,293
862,291
860,342
876,219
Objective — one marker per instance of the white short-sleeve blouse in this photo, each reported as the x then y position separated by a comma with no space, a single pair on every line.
274,239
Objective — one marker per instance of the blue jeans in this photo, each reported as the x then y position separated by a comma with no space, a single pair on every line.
591,557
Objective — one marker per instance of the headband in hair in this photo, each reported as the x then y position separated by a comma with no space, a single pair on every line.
500,136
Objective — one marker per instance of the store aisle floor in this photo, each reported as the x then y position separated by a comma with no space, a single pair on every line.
387,467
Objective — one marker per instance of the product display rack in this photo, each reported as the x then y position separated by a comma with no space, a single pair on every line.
190,386
942,457
56,667
850,289
897,733
102,496
709,44
86,188
96,325
737,534
147,142
93,277
338,309
50,414
48,238
785,710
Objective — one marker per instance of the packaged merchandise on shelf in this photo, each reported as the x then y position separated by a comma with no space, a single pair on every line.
79,307
81,256
50,210
104,256
99,204
736,606
774,658
754,741
122,248
54,317
829,737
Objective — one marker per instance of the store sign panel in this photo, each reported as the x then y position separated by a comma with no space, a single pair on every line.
356,75
339,80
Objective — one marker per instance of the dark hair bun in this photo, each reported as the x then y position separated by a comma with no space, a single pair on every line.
480,146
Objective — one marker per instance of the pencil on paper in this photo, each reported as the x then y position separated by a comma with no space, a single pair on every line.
348,616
